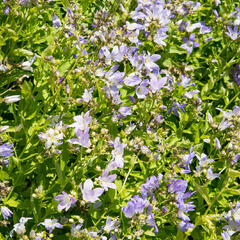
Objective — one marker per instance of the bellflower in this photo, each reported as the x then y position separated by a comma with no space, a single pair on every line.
87,95
186,161
135,205
210,175
233,219
150,64
117,155
6,10
27,65
56,21
106,181
6,151
160,36
66,201
51,137
151,185
236,75
132,80
19,228
203,161
81,122
157,83
82,138
150,219
189,44
175,107
118,53
111,225
233,33
6,213
184,226
75,230
89,194
125,110
185,81
142,90
51,224
178,185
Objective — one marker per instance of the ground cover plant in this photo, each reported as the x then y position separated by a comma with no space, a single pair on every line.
119,119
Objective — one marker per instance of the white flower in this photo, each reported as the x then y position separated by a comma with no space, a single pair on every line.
19,228
51,224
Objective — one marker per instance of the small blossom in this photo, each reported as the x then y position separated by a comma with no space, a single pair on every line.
211,175
6,213
51,224
56,21
19,228
189,44
89,194
66,201
125,110
106,181
111,225
233,33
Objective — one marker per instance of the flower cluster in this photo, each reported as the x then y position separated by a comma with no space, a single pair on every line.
179,187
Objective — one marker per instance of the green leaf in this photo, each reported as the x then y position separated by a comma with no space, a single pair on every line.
176,49
3,175
202,191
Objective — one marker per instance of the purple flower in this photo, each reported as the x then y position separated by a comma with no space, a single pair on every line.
5,152
51,224
118,53
66,201
226,235
132,80
125,110
135,205
150,64
190,94
211,175
175,108
56,21
87,95
81,122
89,194
236,157
150,219
82,138
114,77
75,230
150,186
161,35
6,213
177,186
129,210
236,75
106,181
157,83
186,161
203,161
6,10
217,143
111,225
205,29
184,226
117,155
142,90
189,44
185,81
233,33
